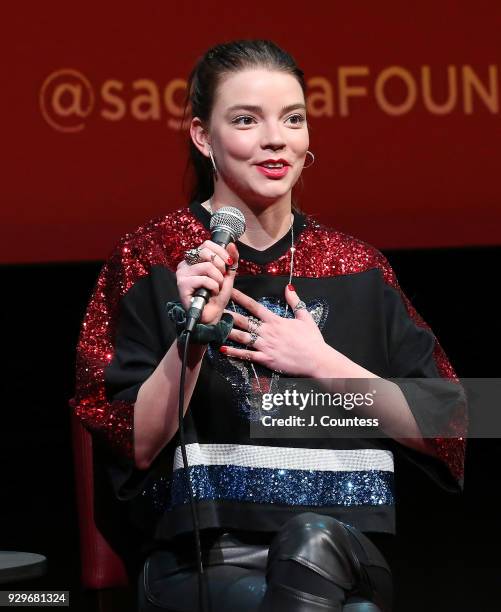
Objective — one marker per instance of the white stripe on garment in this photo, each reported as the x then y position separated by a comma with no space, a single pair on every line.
287,458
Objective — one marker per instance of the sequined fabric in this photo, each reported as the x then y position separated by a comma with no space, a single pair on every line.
320,251
278,475
241,375
288,487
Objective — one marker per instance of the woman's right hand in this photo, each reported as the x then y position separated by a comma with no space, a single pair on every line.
211,272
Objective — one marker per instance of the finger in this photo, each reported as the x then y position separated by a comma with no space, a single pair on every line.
192,283
233,252
208,255
207,268
242,337
239,320
244,354
216,248
232,262
258,310
293,300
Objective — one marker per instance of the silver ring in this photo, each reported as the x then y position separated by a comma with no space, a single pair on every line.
253,329
254,336
233,267
252,320
299,306
254,324
192,256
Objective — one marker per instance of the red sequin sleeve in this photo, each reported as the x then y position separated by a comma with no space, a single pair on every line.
428,359
112,420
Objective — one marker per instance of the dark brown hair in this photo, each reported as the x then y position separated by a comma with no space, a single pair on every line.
203,81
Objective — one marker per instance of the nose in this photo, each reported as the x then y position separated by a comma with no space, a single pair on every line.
273,137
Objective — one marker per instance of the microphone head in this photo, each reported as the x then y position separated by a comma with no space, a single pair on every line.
230,219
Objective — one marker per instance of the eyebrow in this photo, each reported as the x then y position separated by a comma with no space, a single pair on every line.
259,109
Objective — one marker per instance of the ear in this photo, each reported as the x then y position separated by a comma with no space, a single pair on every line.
199,136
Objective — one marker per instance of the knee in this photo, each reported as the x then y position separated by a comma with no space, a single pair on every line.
307,532
320,543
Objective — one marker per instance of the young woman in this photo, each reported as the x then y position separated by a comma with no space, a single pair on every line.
286,523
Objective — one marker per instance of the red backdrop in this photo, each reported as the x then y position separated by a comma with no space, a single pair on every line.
403,107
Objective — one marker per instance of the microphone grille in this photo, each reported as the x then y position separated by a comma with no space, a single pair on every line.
228,218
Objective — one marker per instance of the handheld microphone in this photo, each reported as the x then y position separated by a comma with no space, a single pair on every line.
227,225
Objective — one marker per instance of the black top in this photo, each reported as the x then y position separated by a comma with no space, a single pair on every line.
243,482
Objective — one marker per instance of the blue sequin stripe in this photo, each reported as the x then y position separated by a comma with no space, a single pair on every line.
290,487
283,475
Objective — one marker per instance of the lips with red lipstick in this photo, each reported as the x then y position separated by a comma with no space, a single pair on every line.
274,168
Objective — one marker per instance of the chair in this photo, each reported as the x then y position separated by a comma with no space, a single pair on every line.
102,569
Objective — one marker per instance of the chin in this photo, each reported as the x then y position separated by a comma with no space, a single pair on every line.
273,193
270,199
266,194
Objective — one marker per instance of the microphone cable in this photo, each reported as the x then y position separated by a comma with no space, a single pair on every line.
203,602
227,225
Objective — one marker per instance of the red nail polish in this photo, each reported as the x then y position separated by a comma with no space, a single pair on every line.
229,261
223,349
290,287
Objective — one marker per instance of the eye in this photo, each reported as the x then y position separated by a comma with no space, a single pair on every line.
300,119
237,120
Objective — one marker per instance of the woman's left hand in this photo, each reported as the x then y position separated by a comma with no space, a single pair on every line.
291,346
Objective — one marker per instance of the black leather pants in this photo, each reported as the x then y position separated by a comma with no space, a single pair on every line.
314,563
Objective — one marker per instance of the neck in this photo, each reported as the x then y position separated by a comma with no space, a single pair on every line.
264,226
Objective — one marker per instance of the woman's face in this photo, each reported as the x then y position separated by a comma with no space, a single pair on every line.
258,115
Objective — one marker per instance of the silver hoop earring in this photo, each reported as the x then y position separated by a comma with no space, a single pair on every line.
213,163
312,160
